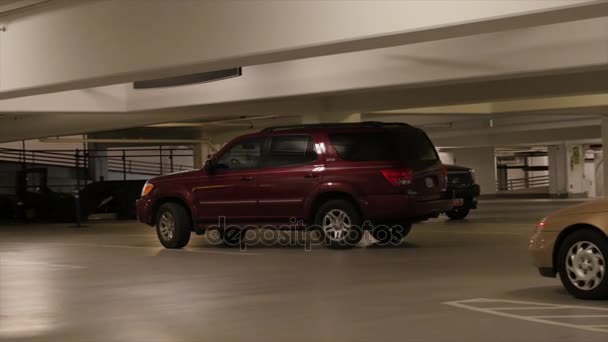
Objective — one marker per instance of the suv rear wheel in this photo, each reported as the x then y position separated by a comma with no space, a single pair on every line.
173,226
340,224
581,264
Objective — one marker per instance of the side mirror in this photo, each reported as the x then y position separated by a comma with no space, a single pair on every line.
209,166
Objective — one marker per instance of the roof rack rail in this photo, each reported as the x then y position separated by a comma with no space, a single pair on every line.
337,125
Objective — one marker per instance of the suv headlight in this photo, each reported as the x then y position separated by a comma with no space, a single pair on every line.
472,172
146,189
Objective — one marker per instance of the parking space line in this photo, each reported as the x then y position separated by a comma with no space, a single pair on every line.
51,266
570,316
469,304
485,300
470,233
160,248
530,308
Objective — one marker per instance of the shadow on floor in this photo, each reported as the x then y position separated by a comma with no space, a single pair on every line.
542,293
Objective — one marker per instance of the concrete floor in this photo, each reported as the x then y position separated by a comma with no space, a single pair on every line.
112,282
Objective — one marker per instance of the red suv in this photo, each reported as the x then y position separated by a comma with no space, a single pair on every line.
338,178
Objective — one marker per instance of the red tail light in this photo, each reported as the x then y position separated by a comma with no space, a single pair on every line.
398,177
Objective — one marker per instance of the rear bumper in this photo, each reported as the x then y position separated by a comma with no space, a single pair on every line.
469,195
407,207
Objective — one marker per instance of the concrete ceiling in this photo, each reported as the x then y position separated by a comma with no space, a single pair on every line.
125,41
485,61
10,6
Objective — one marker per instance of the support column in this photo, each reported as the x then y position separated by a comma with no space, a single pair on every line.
558,170
604,154
201,152
483,161
199,156
576,170
567,170
98,162
598,164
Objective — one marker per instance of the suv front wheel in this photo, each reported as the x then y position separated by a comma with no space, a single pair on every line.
340,224
173,226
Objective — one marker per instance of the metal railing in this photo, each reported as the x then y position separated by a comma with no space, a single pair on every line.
135,161
126,161
524,183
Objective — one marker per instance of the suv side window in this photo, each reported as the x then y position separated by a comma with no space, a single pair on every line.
363,147
287,150
394,144
246,154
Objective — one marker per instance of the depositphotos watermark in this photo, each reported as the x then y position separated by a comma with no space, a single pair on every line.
297,234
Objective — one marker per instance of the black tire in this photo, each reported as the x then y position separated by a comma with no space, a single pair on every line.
391,236
569,268
347,239
182,223
457,213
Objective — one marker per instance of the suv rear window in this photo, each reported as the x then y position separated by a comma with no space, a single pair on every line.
393,144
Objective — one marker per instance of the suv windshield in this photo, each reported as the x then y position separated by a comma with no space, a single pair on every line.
393,144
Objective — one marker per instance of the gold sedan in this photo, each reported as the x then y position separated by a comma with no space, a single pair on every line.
573,242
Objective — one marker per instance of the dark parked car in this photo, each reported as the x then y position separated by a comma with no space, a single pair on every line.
116,197
461,180
9,207
331,176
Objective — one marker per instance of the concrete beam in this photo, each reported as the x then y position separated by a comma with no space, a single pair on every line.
538,137
123,41
26,126
479,58
100,100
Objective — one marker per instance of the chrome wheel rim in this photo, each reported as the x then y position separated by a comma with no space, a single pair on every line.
585,265
166,226
336,224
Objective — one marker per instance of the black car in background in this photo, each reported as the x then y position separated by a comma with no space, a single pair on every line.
461,180
44,204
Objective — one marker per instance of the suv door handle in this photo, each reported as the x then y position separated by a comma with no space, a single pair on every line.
247,178
311,175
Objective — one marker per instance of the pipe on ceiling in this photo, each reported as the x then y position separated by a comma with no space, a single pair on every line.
227,122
